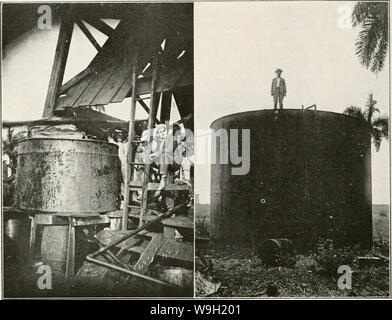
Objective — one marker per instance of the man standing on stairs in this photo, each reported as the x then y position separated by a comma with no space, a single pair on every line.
278,89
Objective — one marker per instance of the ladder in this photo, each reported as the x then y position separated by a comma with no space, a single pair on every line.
130,163
130,186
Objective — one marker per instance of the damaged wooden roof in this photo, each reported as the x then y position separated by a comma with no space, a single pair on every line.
163,30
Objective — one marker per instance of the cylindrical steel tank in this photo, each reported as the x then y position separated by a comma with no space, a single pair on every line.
67,176
309,177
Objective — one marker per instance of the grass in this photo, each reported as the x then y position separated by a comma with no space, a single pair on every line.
242,274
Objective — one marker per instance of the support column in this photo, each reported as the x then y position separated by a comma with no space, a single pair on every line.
60,60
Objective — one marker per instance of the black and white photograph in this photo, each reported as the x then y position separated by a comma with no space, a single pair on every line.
97,105
292,176
219,152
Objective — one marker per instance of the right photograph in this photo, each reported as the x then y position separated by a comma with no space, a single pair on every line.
292,168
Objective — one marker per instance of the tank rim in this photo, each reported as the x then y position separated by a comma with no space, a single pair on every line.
69,139
299,110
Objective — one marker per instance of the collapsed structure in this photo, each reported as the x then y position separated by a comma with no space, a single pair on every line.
70,188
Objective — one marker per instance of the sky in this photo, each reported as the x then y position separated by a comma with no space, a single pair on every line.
238,46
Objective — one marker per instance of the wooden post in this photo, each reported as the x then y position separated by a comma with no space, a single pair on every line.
128,170
166,106
149,126
60,60
70,263
33,236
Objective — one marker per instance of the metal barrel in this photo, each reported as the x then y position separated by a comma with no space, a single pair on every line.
67,176
271,250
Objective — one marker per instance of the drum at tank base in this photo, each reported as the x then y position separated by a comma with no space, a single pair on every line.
67,176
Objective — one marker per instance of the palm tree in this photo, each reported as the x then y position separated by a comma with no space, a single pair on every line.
373,42
378,125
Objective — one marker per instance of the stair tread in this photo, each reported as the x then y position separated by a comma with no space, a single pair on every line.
179,222
170,249
153,186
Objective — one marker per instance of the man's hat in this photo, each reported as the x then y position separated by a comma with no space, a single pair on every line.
278,70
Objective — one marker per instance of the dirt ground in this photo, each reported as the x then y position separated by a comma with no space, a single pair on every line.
242,274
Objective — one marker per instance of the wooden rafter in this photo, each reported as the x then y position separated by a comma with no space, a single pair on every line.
88,34
145,107
166,106
100,26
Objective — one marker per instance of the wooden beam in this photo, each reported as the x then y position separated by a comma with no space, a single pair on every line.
100,26
147,257
88,34
145,107
166,106
60,60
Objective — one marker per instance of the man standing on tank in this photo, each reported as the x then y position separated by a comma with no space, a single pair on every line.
278,89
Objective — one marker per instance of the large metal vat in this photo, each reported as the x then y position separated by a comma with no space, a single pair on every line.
310,177
67,176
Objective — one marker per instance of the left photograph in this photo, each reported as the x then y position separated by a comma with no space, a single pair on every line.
97,130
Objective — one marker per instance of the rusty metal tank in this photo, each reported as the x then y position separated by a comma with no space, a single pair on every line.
309,177
67,176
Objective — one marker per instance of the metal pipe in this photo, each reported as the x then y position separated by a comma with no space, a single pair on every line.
109,253
127,271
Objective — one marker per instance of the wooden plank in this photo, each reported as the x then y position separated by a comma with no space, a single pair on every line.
147,50
169,79
59,63
153,186
181,251
121,73
116,79
179,222
74,80
98,81
147,257
74,93
100,25
143,87
88,34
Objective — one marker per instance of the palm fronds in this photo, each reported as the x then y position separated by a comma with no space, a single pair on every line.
378,125
354,112
373,42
